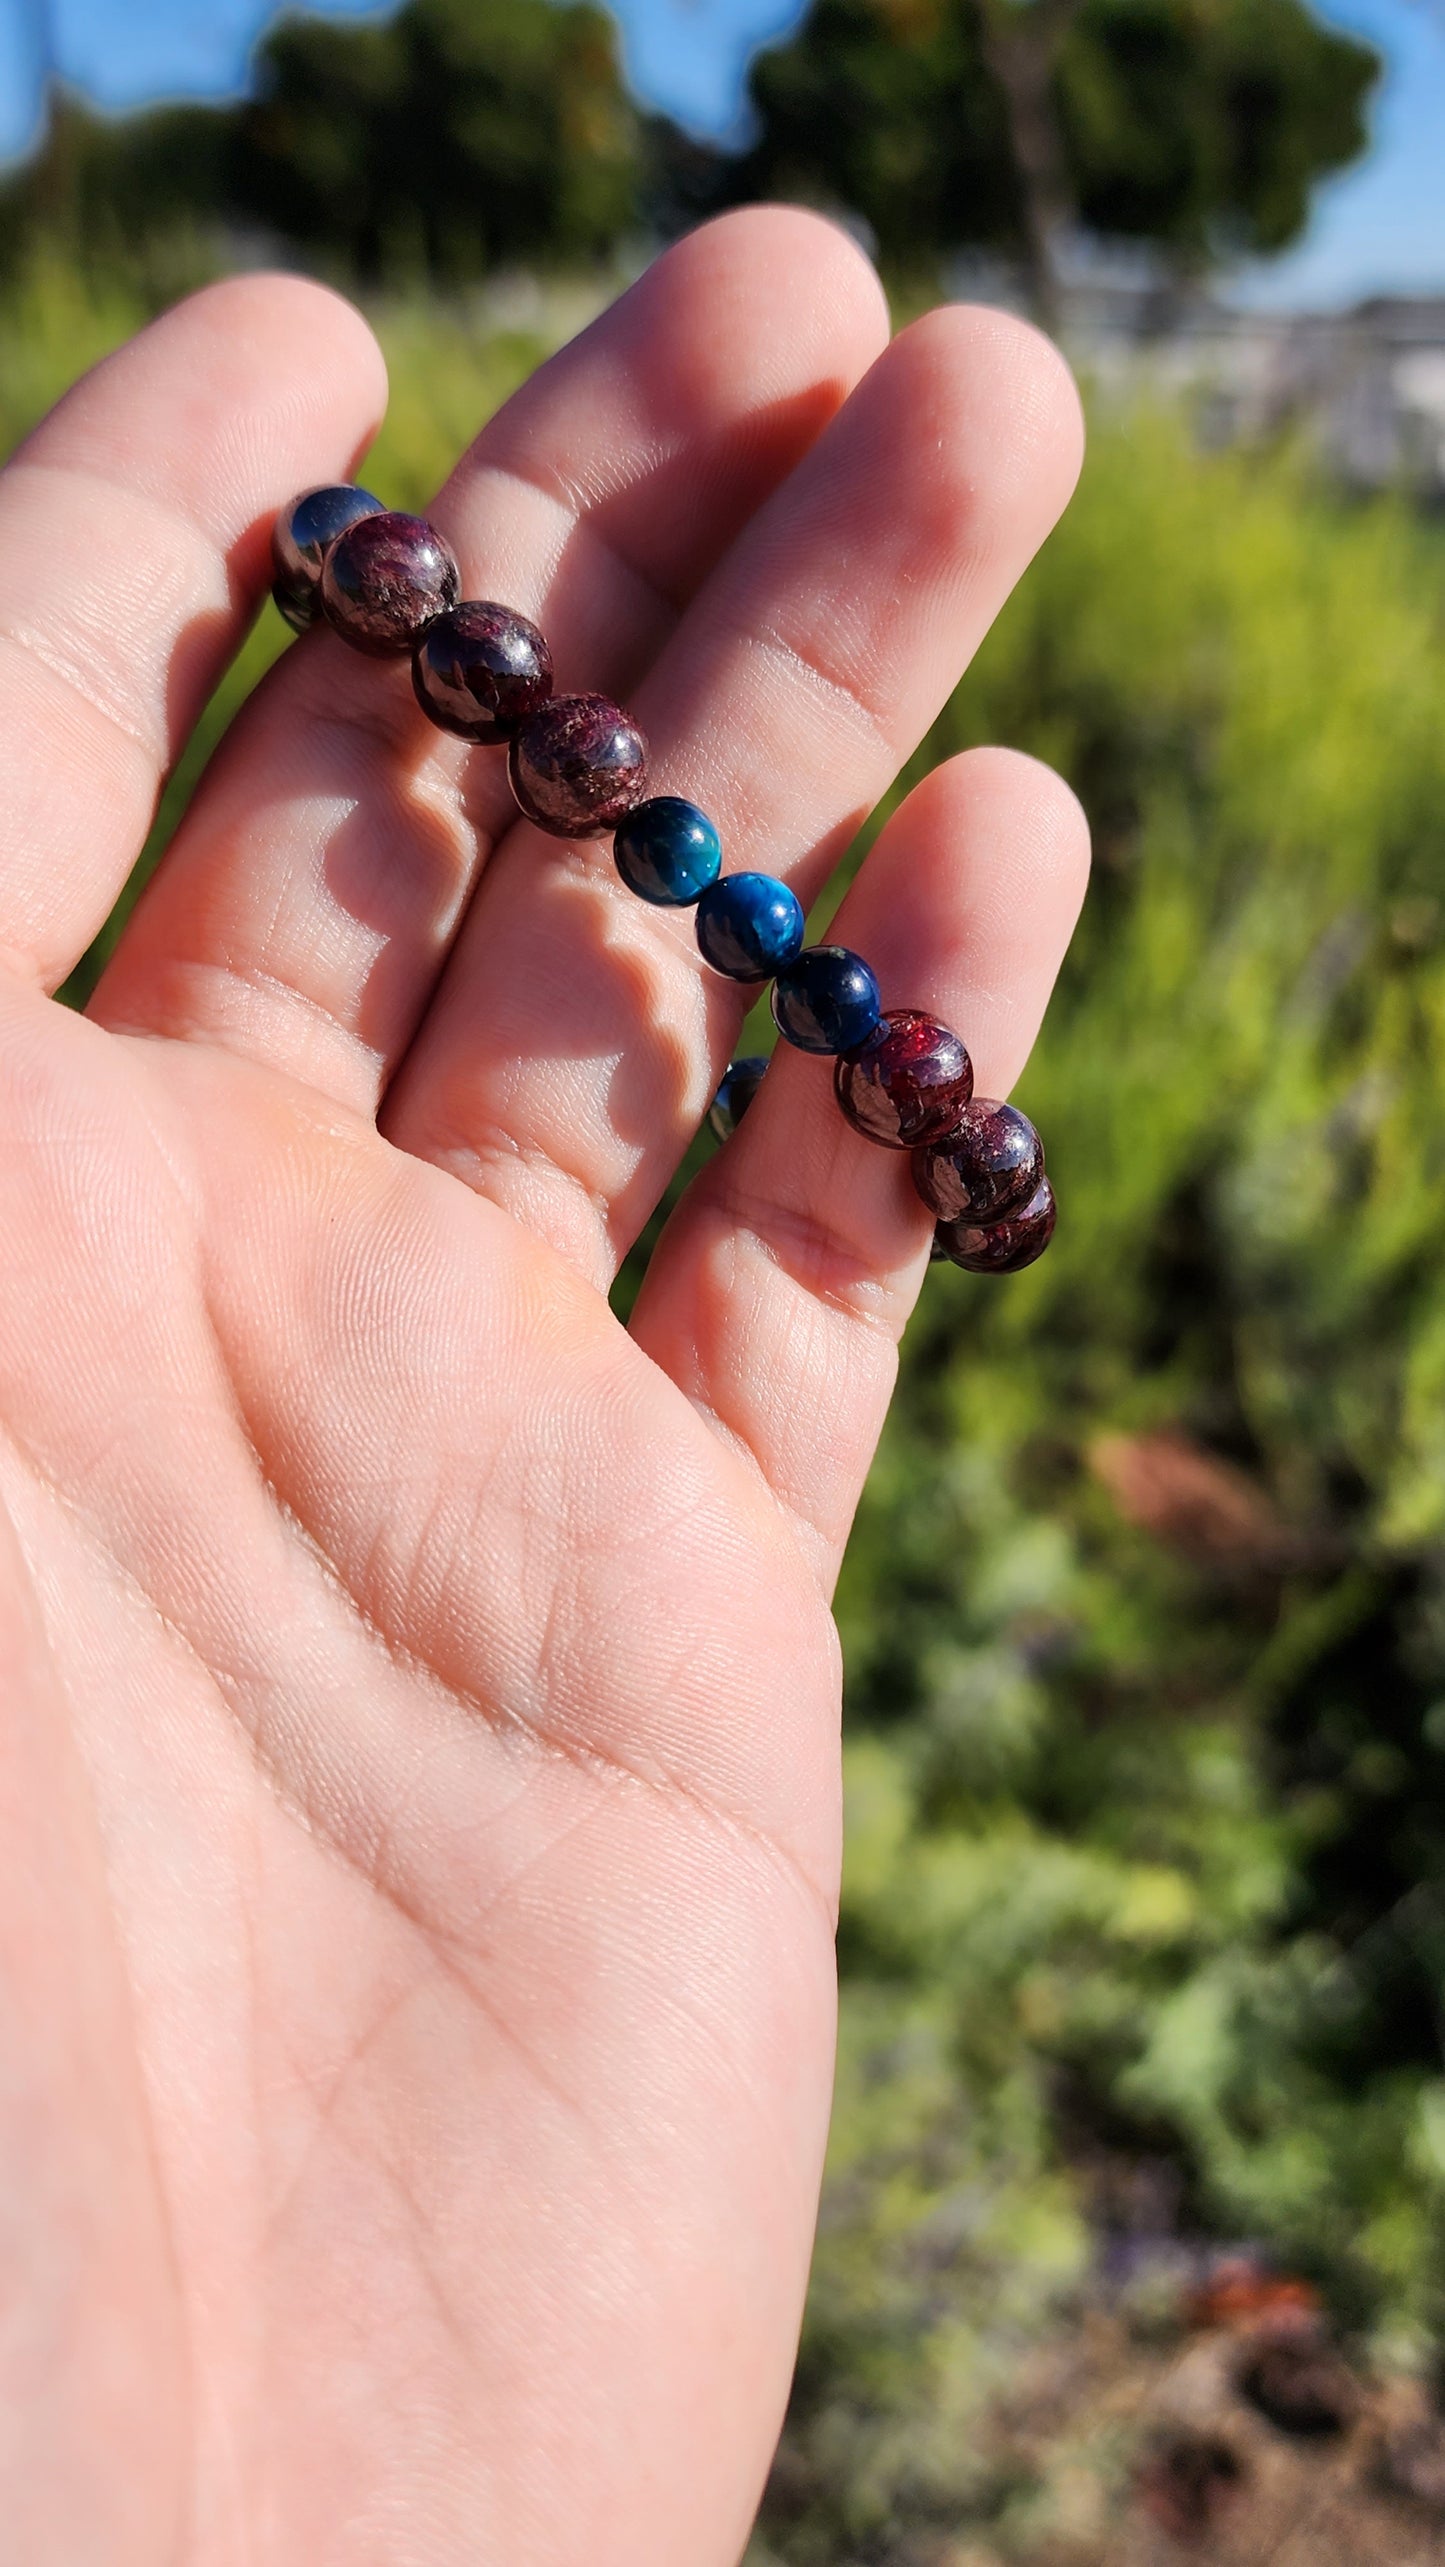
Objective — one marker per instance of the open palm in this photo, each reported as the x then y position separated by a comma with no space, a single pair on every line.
418,1802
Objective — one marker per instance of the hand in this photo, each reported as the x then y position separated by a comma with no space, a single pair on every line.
419,1803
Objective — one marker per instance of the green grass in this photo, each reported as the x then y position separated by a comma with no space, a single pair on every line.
1143,1836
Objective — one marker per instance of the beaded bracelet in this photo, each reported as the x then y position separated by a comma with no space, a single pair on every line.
389,585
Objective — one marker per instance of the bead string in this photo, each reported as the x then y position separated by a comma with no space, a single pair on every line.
389,585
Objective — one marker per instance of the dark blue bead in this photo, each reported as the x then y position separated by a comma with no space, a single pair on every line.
749,926
741,1081
668,851
827,1001
301,538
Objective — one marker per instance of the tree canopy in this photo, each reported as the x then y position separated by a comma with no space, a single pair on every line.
466,130
458,134
1198,124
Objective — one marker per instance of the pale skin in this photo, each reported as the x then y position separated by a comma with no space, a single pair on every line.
419,1803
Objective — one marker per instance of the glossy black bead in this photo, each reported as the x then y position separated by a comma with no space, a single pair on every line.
1002,1247
578,766
385,580
826,1001
990,1162
301,538
739,1084
481,671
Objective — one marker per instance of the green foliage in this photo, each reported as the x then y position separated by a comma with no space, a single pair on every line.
886,108
1144,1845
1207,127
458,133
432,144
1198,126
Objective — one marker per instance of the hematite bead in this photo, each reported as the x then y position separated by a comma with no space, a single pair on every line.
741,1081
1002,1247
990,1163
908,1083
667,851
480,670
826,1001
385,580
578,765
749,926
301,539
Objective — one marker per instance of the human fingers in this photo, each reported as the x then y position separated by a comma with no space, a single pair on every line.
134,545
577,1035
779,1290
307,903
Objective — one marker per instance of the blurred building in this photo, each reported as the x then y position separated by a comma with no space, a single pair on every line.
1367,385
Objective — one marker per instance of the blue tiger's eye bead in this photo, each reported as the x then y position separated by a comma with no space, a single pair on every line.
668,851
749,926
301,539
827,1001
741,1081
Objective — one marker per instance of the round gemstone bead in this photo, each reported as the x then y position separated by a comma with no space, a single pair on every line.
385,580
749,926
301,538
1002,1247
990,1162
578,766
668,851
908,1083
741,1081
827,1001
480,670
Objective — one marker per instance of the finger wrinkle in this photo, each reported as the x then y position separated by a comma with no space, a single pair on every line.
660,609
811,1250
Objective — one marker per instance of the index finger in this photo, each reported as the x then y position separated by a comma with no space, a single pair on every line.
134,547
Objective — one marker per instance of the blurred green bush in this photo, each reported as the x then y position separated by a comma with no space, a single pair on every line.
1143,1934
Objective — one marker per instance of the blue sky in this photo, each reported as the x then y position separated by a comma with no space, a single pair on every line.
1382,227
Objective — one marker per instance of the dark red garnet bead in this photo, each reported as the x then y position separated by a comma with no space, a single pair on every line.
480,670
908,1083
991,1161
578,765
1002,1247
385,580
